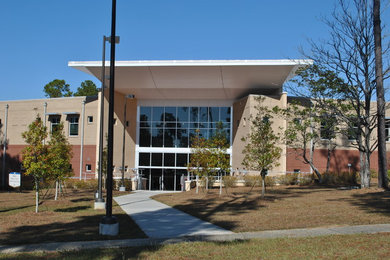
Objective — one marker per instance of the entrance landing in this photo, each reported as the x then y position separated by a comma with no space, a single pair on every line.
158,220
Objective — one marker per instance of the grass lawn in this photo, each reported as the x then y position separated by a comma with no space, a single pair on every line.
372,246
71,218
284,207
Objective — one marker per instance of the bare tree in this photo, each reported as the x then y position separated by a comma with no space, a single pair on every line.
380,93
349,53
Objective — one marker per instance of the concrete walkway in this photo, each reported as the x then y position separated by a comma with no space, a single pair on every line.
158,220
308,232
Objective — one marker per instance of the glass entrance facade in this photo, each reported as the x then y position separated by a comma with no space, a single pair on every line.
165,136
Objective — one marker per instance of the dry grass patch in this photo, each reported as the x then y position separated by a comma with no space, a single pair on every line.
284,207
71,218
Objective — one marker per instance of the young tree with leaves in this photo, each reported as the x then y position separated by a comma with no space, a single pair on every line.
262,150
57,88
35,155
209,156
60,154
219,159
200,162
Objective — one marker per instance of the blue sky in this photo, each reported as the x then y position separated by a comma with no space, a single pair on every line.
39,37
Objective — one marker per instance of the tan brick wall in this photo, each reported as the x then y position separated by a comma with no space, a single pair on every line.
242,110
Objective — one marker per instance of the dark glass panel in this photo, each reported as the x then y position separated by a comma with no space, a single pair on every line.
144,172
194,113
225,114
169,137
170,114
170,125
157,137
157,114
203,133
182,114
144,137
203,114
211,133
169,159
181,159
227,135
194,125
203,125
182,138
156,159
213,114
144,159
183,125
145,114
144,124
157,124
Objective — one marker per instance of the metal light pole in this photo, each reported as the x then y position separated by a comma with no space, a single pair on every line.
82,139
99,201
122,187
109,225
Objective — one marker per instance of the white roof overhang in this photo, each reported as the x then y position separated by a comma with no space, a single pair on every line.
196,79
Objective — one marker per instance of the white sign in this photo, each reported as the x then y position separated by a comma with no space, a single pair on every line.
14,179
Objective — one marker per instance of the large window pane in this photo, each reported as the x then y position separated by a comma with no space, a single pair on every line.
144,137
74,126
182,114
181,159
156,159
213,114
203,114
170,114
182,138
144,159
169,137
158,114
145,114
169,159
194,114
157,137
225,114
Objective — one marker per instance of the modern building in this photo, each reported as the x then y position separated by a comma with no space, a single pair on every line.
171,100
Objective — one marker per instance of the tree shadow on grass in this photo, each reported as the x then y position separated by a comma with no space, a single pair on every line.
374,202
240,202
17,208
73,209
82,199
85,228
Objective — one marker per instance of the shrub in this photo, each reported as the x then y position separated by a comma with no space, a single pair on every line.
305,179
340,178
229,181
252,180
81,184
117,183
288,179
270,181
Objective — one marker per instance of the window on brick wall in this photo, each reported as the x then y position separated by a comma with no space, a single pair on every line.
387,129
